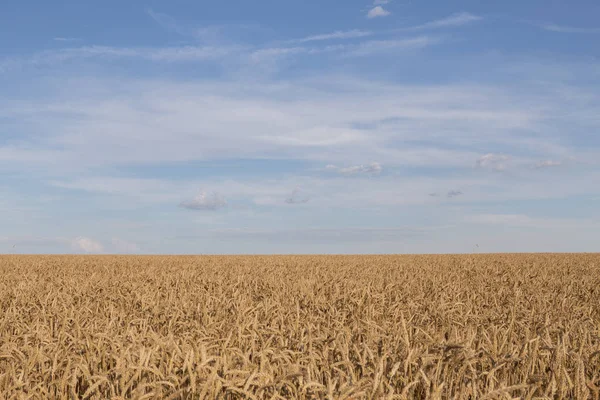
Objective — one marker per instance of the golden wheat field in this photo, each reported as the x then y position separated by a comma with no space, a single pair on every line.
300,327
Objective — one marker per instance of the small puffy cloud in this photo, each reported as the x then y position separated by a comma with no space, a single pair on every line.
377,11
123,246
548,164
371,47
297,197
87,245
380,2
372,169
454,193
205,201
496,162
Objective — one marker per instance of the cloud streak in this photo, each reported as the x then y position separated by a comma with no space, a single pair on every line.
66,39
454,20
233,53
371,47
172,54
337,35
568,29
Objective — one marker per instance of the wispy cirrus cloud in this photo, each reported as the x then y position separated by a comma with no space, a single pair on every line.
319,120
337,35
566,29
208,54
360,49
379,46
171,54
454,20
160,54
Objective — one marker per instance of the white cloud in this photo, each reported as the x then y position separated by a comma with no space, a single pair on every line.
380,2
496,162
78,132
454,20
337,35
104,53
104,124
66,39
548,164
205,201
371,47
568,29
87,245
377,11
317,137
371,169
111,122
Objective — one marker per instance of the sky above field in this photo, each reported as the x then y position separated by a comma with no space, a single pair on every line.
299,126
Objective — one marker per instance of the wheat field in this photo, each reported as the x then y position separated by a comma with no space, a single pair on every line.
300,327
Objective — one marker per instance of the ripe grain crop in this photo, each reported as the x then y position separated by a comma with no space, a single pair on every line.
300,327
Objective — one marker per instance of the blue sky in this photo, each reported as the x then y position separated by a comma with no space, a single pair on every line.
299,127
